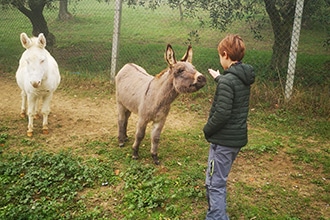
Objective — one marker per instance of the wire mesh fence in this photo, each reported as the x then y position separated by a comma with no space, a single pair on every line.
84,43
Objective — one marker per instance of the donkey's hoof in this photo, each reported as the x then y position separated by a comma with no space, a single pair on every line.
122,142
45,131
135,155
155,158
29,133
23,115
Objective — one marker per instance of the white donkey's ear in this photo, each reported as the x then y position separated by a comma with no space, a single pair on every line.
41,40
188,55
25,40
170,56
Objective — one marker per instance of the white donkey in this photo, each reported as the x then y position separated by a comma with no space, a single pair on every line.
38,77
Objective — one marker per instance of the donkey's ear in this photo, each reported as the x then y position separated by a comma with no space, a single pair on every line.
188,55
25,40
41,40
170,56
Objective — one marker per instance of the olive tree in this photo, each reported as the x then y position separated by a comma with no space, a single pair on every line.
64,13
280,14
223,13
33,10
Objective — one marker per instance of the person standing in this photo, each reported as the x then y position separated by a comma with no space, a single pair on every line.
226,127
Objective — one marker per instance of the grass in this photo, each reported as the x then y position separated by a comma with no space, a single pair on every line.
278,175
84,44
180,187
283,173
37,186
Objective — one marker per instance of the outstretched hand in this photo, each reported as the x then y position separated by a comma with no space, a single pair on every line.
214,73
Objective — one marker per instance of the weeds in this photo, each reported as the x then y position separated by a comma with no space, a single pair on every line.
45,186
264,148
144,191
3,138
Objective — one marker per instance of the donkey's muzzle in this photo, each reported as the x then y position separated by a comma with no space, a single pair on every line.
35,84
201,81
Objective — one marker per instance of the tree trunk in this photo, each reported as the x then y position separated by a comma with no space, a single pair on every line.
281,20
38,21
181,11
64,14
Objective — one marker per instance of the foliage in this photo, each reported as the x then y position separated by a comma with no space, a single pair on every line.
144,191
45,186
318,15
3,138
147,191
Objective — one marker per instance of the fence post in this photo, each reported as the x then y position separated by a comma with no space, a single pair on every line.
115,38
293,49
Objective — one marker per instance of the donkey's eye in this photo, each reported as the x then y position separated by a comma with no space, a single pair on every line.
180,71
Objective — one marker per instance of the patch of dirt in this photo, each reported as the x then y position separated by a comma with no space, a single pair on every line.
74,118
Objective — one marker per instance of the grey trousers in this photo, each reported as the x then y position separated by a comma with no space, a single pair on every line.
220,161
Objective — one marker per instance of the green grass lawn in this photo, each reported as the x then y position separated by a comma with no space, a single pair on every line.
281,174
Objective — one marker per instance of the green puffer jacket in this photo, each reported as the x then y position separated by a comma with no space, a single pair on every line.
227,122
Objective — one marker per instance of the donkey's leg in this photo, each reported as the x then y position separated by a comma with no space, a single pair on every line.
155,138
45,110
36,108
139,135
31,99
23,106
123,115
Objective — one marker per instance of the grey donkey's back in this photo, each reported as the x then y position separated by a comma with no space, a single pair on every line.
131,81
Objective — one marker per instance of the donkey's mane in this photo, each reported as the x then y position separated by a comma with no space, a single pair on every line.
161,73
138,69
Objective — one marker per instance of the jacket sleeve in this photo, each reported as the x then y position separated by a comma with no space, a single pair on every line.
222,107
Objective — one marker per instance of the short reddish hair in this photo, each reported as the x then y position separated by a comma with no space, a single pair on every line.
233,45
